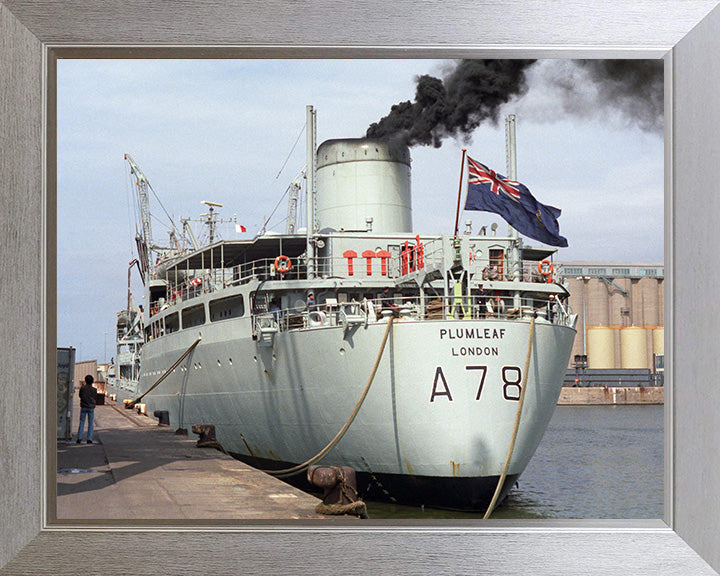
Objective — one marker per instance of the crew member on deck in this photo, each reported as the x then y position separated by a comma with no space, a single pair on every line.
388,303
274,309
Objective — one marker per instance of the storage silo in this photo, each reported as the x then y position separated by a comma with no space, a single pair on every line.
659,341
363,184
601,347
633,348
597,307
652,314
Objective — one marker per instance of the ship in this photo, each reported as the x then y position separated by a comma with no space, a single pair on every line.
429,363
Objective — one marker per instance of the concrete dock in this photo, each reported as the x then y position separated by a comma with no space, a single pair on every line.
611,395
137,470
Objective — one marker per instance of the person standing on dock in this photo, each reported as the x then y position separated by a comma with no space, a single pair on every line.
88,400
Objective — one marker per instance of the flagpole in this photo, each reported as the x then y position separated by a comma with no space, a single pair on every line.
511,160
462,169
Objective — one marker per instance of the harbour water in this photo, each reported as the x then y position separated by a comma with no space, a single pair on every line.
594,462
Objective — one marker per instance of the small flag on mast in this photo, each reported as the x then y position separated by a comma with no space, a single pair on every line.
492,192
240,229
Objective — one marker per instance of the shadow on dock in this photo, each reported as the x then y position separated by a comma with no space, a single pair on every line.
137,470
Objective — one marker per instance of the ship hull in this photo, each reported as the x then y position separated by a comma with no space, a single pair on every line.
434,428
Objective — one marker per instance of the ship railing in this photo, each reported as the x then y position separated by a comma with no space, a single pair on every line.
430,259
410,309
480,306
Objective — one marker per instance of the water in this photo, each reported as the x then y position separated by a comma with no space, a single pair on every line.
593,462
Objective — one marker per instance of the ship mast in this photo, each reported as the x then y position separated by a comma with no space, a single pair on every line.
511,164
310,191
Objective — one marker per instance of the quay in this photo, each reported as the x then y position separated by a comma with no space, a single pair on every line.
138,470
611,395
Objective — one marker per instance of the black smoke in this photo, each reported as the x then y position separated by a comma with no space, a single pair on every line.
634,88
475,91
470,95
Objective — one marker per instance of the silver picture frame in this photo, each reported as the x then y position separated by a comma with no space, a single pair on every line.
33,35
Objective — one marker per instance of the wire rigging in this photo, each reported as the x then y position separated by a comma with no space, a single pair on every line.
275,209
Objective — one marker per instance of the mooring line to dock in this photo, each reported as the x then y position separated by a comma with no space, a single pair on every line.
518,414
300,467
167,372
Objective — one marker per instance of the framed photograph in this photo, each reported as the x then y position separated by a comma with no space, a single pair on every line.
220,141
684,33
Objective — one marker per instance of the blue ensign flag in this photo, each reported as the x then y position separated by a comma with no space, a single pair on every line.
492,192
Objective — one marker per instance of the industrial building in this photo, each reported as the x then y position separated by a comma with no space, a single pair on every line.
620,311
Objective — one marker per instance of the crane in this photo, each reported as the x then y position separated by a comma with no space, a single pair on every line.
144,241
294,188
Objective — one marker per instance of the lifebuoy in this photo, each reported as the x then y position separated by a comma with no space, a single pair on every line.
316,318
279,261
547,272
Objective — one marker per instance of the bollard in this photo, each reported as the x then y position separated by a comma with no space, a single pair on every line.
206,433
340,490
163,417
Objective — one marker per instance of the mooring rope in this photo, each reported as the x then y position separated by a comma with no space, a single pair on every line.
341,433
167,372
518,414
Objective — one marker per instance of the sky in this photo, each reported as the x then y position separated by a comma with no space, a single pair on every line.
231,132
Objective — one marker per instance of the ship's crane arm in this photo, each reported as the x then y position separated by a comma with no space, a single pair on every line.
294,189
187,230
144,240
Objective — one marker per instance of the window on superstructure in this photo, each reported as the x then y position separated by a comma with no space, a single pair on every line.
224,308
193,316
497,256
172,323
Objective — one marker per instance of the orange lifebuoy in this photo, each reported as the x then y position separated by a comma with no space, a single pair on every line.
279,261
547,272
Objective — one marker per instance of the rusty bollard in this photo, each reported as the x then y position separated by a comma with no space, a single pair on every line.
339,486
207,435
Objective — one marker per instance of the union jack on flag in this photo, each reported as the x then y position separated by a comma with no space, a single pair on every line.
481,174
492,192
